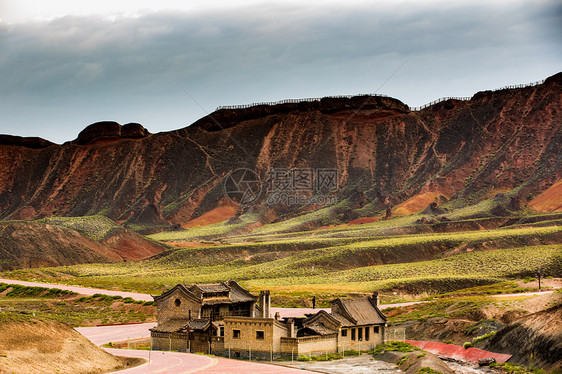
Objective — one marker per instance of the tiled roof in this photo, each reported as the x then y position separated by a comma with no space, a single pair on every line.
341,318
197,324
182,325
212,287
239,293
172,325
226,293
362,311
320,329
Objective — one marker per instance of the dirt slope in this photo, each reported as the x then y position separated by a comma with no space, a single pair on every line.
33,244
31,346
459,149
534,340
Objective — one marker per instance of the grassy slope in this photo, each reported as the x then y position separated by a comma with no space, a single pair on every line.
387,254
95,227
70,308
293,271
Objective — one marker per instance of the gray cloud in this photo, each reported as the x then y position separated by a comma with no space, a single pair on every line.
61,75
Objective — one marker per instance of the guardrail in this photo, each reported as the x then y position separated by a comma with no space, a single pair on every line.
294,101
413,109
418,108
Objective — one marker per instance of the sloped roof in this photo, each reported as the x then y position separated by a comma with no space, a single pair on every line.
172,325
197,324
362,311
320,329
182,288
236,293
211,287
342,319
239,293
182,325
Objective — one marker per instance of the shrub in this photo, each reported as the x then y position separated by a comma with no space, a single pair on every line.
483,337
400,347
303,358
467,345
402,360
428,370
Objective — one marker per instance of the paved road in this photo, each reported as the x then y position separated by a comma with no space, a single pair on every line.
173,362
522,294
284,312
81,290
185,363
116,333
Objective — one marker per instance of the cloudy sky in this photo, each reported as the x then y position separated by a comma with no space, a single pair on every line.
64,64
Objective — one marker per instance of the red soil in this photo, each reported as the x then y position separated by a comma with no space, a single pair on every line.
550,200
361,220
416,203
216,215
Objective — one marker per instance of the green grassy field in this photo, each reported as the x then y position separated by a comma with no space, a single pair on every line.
397,255
70,308
295,275
95,227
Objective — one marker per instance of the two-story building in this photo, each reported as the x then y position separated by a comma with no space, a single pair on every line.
226,319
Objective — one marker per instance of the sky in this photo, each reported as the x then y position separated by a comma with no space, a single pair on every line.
165,64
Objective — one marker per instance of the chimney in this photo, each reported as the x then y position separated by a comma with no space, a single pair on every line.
376,298
291,328
265,303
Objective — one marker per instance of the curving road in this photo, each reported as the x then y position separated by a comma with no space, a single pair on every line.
284,312
183,363
81,290
172,362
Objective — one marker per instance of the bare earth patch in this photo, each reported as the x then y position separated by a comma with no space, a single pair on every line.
32,346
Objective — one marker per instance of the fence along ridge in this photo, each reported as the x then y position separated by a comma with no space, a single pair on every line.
294,101
418,108
413,109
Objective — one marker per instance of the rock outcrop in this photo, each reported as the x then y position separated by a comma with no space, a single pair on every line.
109,130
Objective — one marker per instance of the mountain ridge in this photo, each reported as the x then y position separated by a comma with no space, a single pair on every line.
465,150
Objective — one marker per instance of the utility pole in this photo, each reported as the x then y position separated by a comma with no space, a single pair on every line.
539,274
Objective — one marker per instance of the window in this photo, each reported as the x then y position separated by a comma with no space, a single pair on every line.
260,335
177,302
236,334
360,333
367,330
352,334
221,331
344,332
376,329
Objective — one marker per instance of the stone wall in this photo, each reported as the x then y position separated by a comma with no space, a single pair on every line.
177,306
165,341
